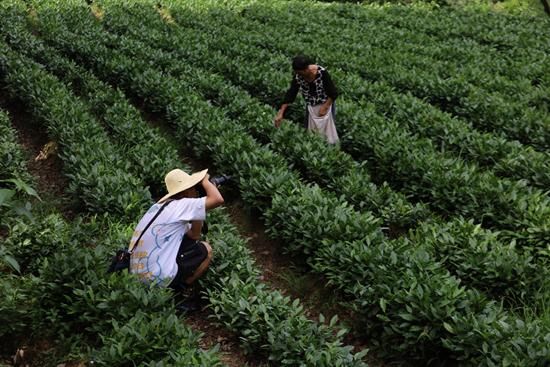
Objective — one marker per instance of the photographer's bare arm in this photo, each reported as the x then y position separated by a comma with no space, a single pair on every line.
213,199
213,196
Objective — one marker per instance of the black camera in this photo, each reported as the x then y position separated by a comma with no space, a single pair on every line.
220,180
217,180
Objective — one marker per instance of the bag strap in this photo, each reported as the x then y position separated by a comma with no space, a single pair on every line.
148,224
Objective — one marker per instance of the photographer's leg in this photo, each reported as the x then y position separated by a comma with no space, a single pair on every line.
201,254
203,266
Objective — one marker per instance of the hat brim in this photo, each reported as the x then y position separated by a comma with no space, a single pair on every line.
194,179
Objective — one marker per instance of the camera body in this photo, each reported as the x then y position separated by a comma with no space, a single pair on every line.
217,180
220,180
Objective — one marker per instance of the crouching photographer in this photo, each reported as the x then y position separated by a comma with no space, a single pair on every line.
169,251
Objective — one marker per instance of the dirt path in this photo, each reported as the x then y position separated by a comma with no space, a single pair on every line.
292,277
230,352
51,185
48,172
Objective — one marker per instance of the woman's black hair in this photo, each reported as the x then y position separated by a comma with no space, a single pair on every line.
301,62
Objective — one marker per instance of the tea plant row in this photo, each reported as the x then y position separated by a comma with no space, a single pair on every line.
12,157
107,105
287,141
321,163
456,183
264,176
507,38
294,141
371,53
508,159
373,41
50,297
449,134
89,158
280,315
15,184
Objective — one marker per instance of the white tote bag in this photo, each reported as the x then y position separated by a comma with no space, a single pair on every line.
323,125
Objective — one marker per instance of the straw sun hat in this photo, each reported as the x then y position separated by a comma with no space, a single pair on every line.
178,181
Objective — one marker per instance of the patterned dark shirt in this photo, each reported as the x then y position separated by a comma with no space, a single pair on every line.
315,92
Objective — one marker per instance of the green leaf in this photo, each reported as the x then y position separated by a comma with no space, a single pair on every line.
448,327
23,186
383,304
406,316
12,262
5,196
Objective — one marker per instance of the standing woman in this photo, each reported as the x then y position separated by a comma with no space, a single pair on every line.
319,92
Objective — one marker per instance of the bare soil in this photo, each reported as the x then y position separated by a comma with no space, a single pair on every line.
292,278
48,172
229,346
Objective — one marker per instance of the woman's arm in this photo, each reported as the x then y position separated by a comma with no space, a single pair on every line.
330,90
325,106
290,96
212,200
328,84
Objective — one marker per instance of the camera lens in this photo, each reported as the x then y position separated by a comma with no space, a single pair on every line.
220,180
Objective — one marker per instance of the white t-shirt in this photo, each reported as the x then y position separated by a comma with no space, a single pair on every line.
154,258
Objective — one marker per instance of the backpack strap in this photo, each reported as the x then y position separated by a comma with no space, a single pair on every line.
148,224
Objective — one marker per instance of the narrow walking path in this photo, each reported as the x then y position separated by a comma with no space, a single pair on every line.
47,167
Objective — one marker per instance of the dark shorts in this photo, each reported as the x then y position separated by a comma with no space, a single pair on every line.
191,254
